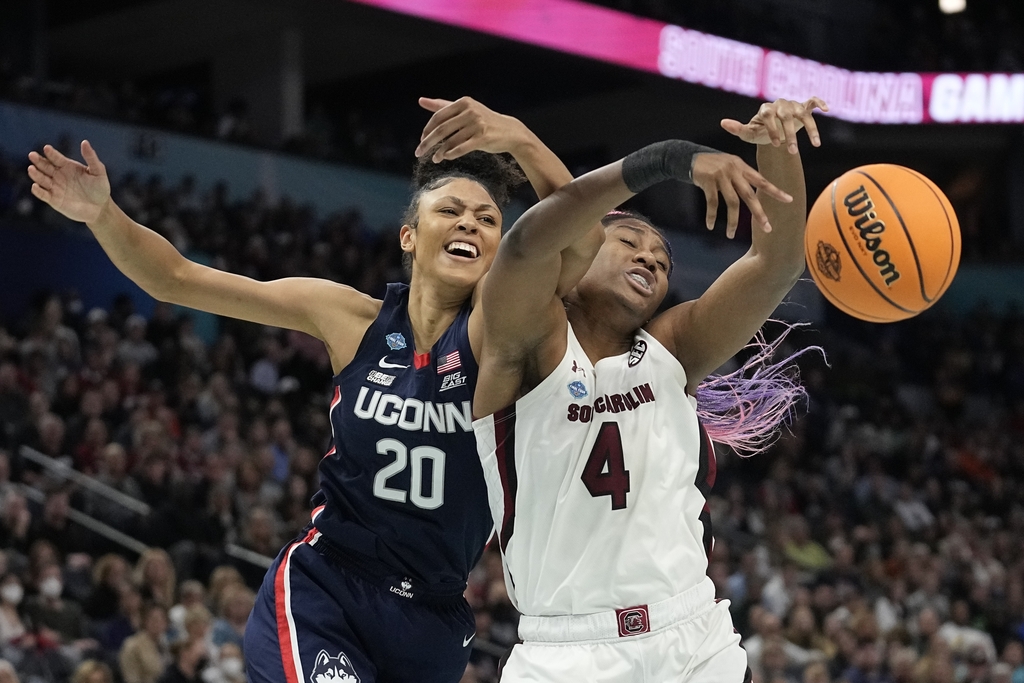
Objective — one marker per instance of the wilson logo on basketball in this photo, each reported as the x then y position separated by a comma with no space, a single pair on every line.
828,261
861,208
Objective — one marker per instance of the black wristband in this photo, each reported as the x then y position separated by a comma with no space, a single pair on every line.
671,159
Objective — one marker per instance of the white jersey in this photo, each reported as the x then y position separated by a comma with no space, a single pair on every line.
598,481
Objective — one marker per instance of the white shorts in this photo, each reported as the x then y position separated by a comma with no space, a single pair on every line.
702,648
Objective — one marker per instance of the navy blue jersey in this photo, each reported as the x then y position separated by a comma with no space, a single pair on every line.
402,485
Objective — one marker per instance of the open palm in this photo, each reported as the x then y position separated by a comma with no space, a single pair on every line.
78,191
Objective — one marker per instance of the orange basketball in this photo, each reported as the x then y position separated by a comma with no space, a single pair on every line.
882,243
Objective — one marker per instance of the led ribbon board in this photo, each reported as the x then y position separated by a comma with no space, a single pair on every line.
647,45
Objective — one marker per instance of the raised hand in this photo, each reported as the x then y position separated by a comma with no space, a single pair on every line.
731,177
465,125
778,122
79,192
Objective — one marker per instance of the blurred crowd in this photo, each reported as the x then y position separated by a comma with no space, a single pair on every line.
869,35
878,542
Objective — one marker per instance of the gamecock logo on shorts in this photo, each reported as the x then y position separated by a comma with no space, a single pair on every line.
633,621
328,669
828,261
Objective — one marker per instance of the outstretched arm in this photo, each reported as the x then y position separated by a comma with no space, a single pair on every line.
466,125
321,308
522,310
706,332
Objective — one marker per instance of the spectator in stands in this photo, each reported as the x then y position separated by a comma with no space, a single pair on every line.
12,629
135,348
55,526
221,579
235,605
155,577
191,593
93,671
964,640
190,659
126,622
56,621
109,576
145,656
15,522
229,667
801,549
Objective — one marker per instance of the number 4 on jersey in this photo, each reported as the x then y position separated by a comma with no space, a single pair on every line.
607,453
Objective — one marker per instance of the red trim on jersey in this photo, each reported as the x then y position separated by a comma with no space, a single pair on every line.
331,452
312,516
284,635
337,398
420,360
505,452
707,472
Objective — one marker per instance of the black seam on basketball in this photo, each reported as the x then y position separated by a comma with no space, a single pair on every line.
839,229
949,224
910,240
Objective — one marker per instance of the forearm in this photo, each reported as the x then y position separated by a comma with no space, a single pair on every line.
146,258
574,209
542,167
782,249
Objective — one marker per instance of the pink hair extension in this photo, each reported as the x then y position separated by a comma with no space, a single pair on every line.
746,408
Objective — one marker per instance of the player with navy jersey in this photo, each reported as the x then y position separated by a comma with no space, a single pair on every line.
597,466
373,590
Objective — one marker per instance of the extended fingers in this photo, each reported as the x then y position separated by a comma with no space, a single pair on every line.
732,207
768,115
711,194
92,160
41,163
761,183
433,103
455,146
789,128
55,157
40,193
466,120
43,180
749,197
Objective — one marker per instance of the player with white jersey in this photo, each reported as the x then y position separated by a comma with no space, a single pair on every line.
597,468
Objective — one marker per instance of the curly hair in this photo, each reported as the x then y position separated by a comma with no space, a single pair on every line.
499,174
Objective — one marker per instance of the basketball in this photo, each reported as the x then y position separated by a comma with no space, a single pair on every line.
882,243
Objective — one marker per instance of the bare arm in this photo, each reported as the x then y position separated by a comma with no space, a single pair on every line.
323,309
466,125
706,332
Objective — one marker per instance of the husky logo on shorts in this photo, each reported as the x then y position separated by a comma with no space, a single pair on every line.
328,669
633,621
636,353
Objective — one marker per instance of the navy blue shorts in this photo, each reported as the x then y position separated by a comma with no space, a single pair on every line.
315,621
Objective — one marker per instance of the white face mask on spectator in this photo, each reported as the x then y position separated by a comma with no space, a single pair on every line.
12,593
231,666
51,587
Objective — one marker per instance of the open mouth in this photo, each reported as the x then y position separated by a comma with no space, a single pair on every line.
642,283
462,249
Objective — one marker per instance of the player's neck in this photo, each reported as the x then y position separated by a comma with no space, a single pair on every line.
601,331
433,307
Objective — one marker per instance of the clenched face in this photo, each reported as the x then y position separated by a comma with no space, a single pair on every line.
457,233
631,268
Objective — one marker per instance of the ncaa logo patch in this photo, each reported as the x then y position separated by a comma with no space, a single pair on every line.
633,621
578,389
328,669
395,340
636,353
